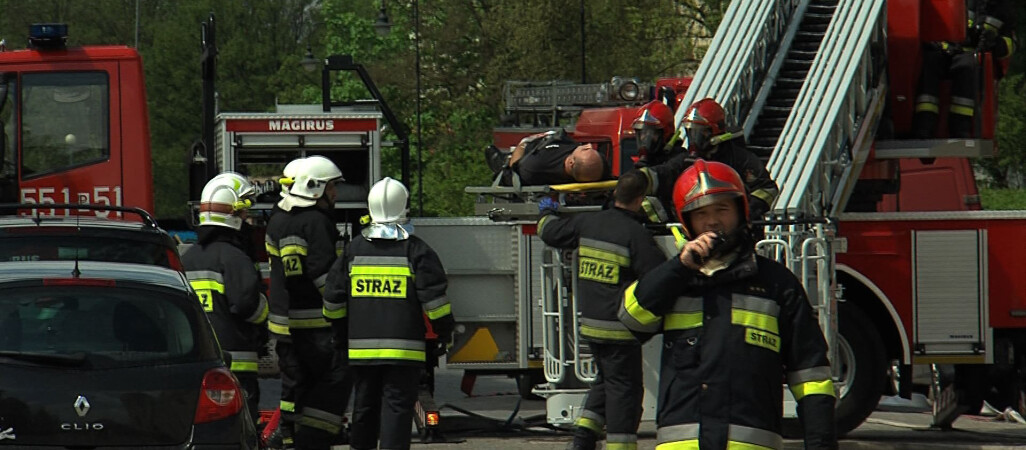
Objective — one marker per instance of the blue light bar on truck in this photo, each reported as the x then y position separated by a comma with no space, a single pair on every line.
48,35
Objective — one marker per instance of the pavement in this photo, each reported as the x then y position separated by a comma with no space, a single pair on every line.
495,417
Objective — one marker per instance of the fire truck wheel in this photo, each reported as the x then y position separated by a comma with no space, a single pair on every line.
863,368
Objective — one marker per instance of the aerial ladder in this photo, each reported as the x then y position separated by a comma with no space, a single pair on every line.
805,80
808,93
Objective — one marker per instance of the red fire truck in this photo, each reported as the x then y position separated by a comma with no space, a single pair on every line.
99,149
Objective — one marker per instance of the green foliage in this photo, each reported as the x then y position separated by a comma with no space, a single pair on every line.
1003,199
468,50
1011,133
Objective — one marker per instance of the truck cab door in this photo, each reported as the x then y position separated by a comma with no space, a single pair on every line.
69,135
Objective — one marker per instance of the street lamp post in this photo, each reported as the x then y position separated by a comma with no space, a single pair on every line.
420,160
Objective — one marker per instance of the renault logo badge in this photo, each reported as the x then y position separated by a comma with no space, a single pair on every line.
81,406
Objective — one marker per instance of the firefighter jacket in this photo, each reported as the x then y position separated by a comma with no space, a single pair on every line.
729,340
229,287
613,250
991,27
762,190
387,286
301,245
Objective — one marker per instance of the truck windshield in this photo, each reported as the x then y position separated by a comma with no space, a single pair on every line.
65,121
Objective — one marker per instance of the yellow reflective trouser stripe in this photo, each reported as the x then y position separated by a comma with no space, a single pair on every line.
634,309
755,320
287,406
692,444
277,328
961,110
682,321
380,270
441,311
927,107
386,353
293,249
621,445
590,424
244,366
619,335
337,313
271,250
825,387
319,322
320,424
604,255
208,284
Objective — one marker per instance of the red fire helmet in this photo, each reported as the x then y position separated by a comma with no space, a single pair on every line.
705,183
655,114
705,112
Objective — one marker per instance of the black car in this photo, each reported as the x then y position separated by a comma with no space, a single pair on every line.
101,355
128,235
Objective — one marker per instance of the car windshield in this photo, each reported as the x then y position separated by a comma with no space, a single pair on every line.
33,247
100,327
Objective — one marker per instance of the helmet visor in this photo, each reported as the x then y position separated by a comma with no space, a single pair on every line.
649,140
698,136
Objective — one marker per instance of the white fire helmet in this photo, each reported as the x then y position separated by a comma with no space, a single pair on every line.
311,177
288,175
222,199
387,201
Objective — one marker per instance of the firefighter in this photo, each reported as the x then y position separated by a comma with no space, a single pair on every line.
226,280
653,130
990,29
734,325
302,242
613,249
387,281
707,137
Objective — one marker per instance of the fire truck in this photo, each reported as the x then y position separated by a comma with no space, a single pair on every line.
914,285
809,81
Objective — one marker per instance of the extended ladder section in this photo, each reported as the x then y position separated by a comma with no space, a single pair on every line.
829,129
742,54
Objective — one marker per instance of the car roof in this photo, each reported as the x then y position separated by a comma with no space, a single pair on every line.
138,273
73,221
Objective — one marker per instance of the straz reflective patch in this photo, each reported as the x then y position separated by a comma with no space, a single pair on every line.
206,297
762,339
387,286
598,270
292,265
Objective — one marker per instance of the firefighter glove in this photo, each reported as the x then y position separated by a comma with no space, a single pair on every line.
547,205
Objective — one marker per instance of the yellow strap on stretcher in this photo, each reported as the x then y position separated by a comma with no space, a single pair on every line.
592,186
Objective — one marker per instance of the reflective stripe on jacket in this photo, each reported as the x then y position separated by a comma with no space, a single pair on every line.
729,340
386,288
301,245
613,249
230,290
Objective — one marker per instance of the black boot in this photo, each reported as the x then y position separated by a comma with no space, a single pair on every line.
584,439
496,158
